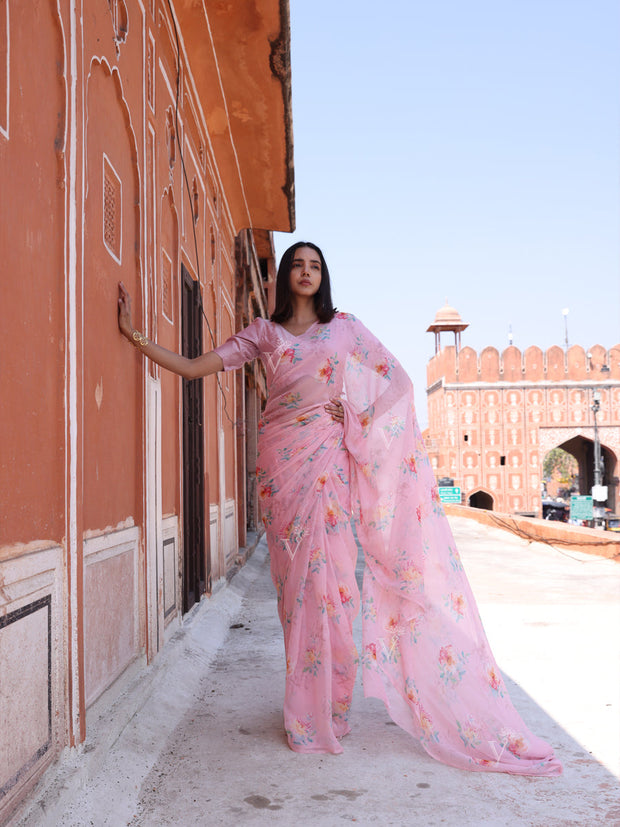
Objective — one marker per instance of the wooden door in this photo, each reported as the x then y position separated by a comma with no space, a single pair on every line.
193,451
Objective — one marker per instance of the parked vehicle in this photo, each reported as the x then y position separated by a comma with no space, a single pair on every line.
554,510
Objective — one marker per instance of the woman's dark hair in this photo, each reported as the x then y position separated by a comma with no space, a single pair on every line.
283,311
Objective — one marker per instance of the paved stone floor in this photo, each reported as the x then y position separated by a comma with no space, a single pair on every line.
197,738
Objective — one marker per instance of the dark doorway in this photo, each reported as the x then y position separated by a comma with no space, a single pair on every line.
193,451
582,449
480,499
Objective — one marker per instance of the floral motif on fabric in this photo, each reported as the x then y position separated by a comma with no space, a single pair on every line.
302,731
306,419
455,601
292,536
321,480
346,598
423,640
266,490
408,573
382,514
369,610
312,659
369,469
316,560
429,734
390,651
321,334
291,401
384,367
292,354
515,742
326,370
451,665
335,516
415,628
455,559
393,429
409,465
369,655
340,709
356,360
469,732
329,608
495,680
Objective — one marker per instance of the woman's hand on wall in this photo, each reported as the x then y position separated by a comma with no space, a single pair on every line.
124,311
203,365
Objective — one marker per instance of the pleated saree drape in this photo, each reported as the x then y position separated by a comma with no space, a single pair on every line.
425,653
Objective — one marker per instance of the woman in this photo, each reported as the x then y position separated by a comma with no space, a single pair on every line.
339,440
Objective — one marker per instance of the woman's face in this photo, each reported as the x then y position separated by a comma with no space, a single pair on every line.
305,276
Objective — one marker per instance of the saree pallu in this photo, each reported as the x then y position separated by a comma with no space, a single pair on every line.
424,650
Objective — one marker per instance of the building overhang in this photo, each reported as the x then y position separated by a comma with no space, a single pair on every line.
248,111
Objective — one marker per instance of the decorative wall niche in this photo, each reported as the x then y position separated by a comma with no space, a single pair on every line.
112,210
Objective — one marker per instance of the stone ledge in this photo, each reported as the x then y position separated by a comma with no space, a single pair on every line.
588,540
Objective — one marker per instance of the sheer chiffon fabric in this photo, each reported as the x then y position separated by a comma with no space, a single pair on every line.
425,653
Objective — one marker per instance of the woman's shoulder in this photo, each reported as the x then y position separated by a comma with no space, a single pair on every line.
258,324
345,317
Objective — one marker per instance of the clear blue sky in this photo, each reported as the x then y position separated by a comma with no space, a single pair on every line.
462,150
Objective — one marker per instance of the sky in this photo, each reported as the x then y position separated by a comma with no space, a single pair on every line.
462,150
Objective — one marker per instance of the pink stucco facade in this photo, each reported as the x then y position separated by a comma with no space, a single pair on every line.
148,142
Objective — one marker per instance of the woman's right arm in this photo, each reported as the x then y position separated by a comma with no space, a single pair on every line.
203,365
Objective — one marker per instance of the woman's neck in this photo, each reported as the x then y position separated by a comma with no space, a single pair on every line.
304,311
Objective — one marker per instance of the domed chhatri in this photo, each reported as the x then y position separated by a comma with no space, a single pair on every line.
447,318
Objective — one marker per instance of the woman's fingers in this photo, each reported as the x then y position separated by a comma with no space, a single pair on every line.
335,409
124,307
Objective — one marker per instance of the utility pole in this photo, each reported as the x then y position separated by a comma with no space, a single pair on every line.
599,491
565,314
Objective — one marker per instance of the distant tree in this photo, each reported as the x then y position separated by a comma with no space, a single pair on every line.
561,464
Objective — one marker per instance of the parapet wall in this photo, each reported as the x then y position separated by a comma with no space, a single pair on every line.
561,535
531,365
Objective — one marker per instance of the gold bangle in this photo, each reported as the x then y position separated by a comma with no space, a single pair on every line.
139,339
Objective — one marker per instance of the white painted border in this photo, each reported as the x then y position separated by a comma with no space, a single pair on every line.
27,577
106,159
5,132
214,538
170,531
153,548
172,297
230,531
153,65
76,666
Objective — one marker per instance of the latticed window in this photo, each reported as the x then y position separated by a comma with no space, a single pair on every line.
166,285
112,218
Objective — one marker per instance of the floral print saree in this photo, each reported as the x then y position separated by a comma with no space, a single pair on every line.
425,653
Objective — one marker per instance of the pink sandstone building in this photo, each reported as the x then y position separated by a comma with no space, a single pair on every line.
148,141
494,416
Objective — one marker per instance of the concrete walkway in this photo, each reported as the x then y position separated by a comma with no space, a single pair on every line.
198,739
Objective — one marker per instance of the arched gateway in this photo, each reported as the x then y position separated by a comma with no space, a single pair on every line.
494,416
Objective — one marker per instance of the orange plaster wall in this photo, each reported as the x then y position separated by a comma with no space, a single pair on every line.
112,368
32,231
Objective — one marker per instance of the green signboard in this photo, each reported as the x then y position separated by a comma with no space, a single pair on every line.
581,507
450,494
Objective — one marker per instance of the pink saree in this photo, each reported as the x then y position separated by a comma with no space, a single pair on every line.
425,653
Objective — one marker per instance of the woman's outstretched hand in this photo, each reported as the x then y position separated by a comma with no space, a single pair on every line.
124,311
335,409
